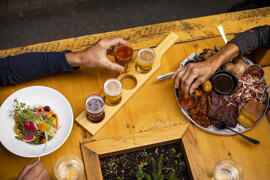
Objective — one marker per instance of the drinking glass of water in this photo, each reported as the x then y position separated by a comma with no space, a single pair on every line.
228,170
68,167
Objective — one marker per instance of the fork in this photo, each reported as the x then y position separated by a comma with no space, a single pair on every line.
164,76
46,137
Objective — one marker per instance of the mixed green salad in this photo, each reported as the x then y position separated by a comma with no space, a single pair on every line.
32,123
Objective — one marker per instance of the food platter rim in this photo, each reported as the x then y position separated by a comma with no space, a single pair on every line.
218,132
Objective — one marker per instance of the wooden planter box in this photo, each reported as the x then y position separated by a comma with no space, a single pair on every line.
93,150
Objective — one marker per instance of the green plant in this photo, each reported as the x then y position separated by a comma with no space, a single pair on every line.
157,171
140,174
157,168
172,176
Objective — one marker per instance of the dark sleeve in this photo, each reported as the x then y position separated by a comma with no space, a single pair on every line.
258,37
28,66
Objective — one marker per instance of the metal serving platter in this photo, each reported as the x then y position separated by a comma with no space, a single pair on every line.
211,129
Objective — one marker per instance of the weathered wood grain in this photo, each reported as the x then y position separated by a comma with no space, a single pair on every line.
133,141
154,105
152,35
193,154
91,164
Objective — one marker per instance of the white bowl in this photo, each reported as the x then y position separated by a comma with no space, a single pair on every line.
35,96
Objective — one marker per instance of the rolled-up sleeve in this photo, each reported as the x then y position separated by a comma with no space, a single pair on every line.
29,66
257,37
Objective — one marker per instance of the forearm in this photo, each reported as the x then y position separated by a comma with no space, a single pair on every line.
28,66
228,52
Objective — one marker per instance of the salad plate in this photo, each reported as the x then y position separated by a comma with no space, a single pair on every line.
212,129
35,96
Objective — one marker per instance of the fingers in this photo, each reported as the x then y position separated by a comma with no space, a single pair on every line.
107,43
178,77
191,74
195,85
175,73
43,175
26,169
113,66
38,168
185,77
186,80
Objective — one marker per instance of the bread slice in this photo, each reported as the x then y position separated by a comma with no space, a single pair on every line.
244,121
248,115
253,109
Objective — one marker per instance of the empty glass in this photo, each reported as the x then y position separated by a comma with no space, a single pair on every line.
228,170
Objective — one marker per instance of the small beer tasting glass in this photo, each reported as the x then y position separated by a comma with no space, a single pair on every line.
228,170
123,55
113,91
68,167
94,106
145,60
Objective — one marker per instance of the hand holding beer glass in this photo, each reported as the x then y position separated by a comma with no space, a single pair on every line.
123,55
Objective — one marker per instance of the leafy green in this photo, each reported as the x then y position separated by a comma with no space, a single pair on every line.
49,120
27,114
50,137
17,108
36,141
19,138
20,113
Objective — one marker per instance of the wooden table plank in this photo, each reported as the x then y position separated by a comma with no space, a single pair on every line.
153,106
152,35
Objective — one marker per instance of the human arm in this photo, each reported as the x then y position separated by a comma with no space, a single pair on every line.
190,77
257,37
95,56
28,66
34,171
193,75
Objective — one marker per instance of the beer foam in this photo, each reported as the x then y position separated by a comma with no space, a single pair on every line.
112,87
94,104
146,55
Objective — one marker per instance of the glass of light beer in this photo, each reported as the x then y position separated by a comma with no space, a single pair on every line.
68,167
113,91
145,60
123,55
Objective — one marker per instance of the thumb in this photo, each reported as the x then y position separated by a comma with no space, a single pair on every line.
113,66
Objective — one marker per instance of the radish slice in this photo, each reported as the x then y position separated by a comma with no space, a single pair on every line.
28,137
30,126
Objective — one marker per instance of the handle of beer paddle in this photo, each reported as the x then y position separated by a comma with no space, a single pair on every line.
165,44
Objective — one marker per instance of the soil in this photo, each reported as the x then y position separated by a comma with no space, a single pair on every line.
124,166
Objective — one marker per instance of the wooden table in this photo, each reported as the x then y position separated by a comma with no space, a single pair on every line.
155,97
